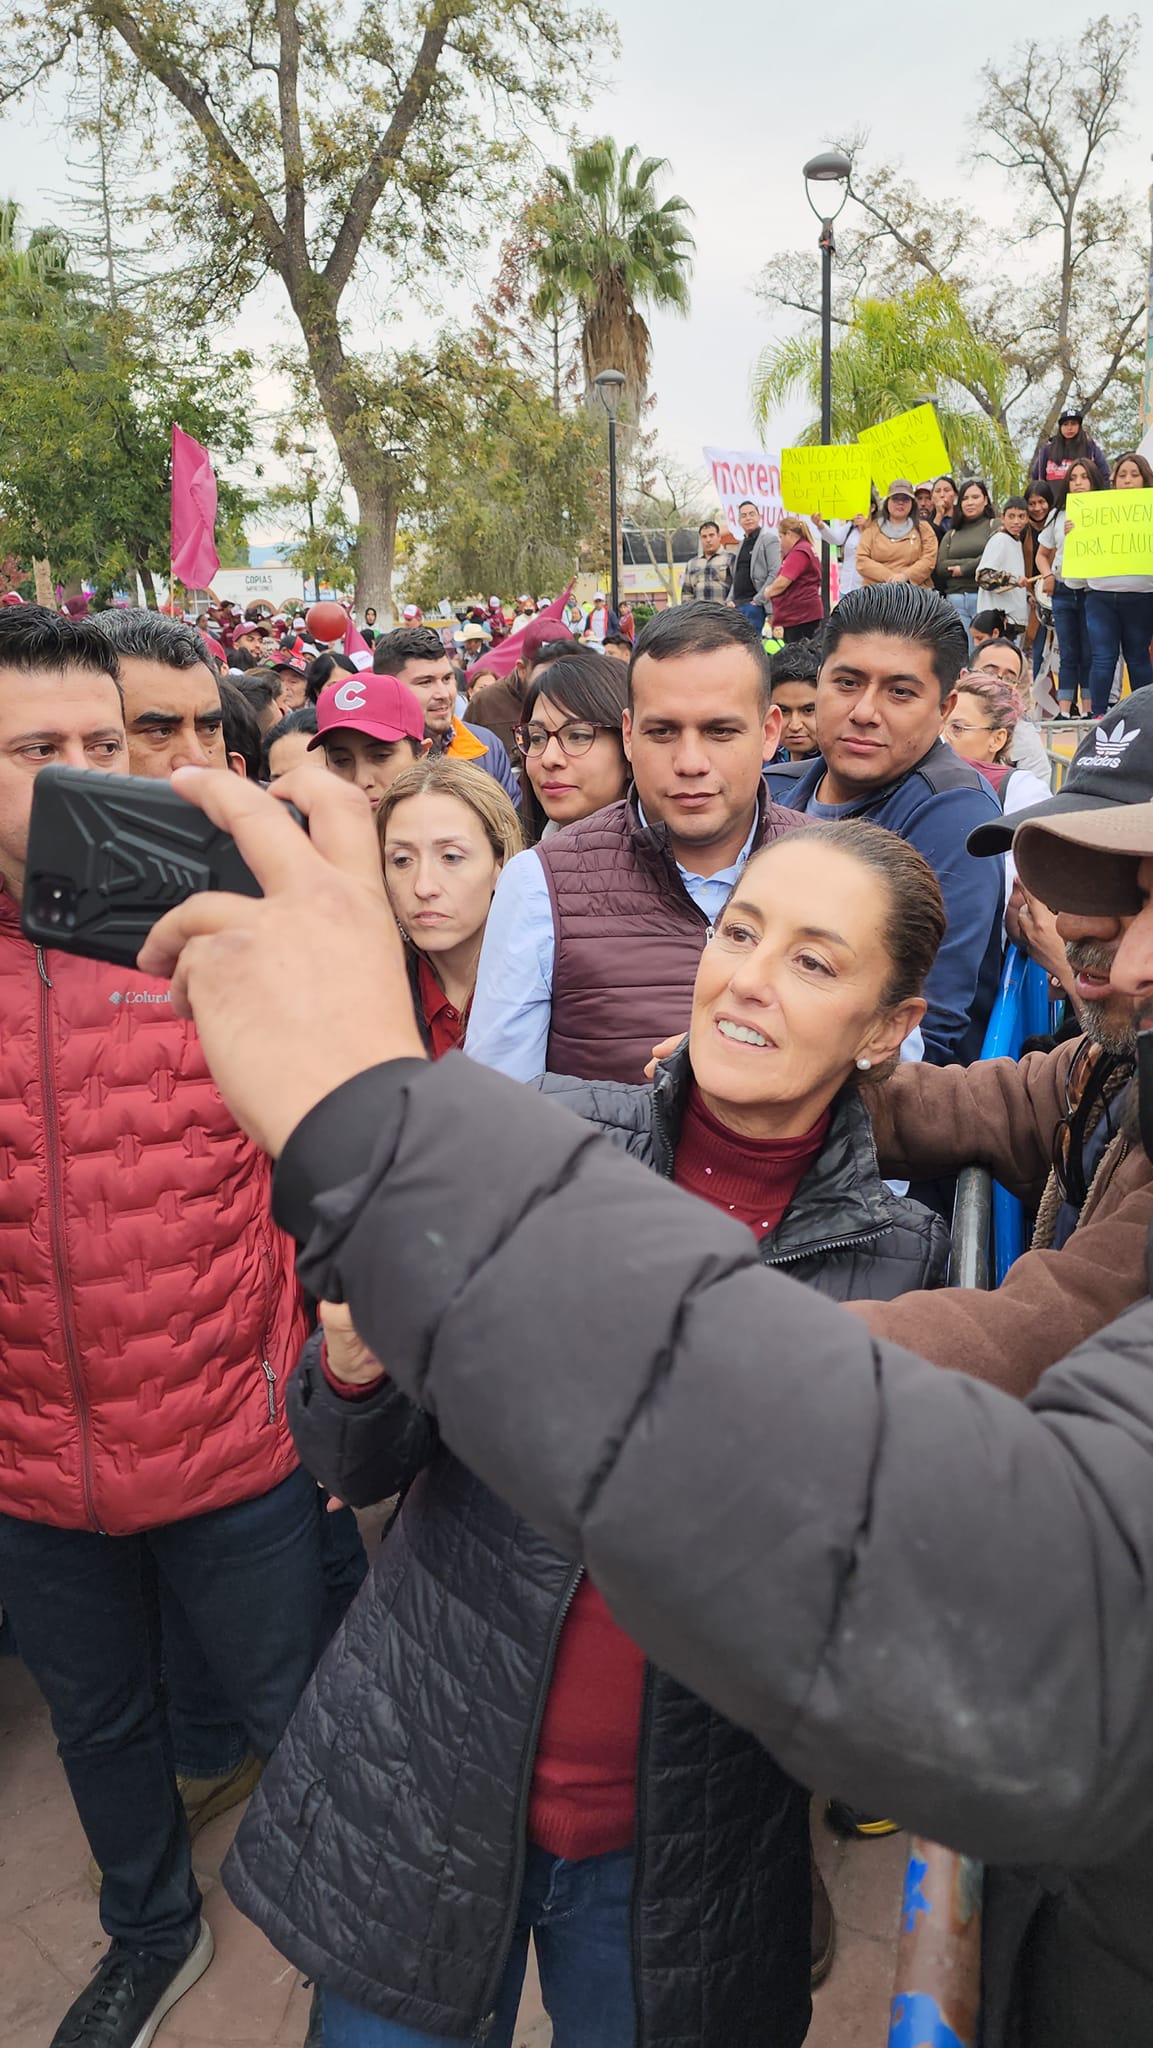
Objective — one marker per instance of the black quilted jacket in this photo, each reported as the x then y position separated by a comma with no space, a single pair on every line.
844,1233
382,1852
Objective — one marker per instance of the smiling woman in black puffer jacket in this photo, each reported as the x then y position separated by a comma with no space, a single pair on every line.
482,1752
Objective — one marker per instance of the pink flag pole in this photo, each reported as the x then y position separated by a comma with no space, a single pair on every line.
193,557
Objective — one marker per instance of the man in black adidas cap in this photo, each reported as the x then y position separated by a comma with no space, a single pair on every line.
1112,765
1053,1127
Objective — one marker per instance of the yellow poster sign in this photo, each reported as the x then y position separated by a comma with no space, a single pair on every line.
911,446
1110,533
831,481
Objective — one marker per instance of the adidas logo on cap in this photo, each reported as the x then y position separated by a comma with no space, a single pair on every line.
1108,749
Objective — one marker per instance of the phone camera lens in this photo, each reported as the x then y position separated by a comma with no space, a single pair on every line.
57,905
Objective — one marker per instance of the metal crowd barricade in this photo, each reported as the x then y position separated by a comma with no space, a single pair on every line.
937,1982
1061,738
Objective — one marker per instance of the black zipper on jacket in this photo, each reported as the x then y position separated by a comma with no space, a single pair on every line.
523,1791
805,1251
53,1156
830,1244
639,1848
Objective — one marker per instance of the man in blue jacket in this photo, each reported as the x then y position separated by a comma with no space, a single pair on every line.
892,655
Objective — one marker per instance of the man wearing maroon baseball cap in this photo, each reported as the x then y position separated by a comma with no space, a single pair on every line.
371,729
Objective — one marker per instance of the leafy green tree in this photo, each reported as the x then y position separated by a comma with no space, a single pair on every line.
608,244
508,490
322,548
295,141
87,403
891,356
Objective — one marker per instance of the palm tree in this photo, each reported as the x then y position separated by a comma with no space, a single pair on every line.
36,272
609,247
890,355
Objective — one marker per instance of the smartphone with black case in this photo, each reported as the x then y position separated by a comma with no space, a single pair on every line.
109,854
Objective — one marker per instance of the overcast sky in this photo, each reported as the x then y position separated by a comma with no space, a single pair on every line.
737,98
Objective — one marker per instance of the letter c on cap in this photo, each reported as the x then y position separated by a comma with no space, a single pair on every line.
350,696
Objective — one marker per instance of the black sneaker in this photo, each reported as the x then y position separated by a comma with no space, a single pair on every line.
130,1994
855,1825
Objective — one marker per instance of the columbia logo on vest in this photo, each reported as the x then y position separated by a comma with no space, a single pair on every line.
136,995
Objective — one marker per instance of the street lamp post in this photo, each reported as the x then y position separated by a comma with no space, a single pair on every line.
609,386
310,498
832,167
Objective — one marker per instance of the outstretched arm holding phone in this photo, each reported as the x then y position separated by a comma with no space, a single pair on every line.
863,1559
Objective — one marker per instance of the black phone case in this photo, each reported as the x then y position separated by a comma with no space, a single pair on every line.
109,854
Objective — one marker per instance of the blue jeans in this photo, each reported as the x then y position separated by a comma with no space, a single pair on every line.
1072,643
579,1915
755,612
86,1612
1118,622
207,1740
966,602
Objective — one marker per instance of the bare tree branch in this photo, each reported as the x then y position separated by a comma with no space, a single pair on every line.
194,100
371,184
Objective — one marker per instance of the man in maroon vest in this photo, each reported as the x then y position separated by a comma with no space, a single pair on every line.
594,935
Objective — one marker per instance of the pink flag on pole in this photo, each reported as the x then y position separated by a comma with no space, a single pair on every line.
194,558
356,646
503,658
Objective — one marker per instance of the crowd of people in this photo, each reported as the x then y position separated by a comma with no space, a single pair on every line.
1002,571
707,1495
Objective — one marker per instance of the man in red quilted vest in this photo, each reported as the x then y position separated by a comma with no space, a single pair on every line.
148,1317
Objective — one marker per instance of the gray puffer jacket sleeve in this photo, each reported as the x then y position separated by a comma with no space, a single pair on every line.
905,1583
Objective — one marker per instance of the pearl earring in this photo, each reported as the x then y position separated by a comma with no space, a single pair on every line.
864,1065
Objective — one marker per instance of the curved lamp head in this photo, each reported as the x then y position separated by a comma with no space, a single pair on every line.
831,167
608,387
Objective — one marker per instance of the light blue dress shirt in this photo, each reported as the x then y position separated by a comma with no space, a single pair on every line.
508,1023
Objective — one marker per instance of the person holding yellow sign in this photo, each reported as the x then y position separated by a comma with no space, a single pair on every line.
1119,607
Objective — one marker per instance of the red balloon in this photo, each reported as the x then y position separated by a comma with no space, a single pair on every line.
326,621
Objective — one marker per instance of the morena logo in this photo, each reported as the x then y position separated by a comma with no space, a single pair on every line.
135,995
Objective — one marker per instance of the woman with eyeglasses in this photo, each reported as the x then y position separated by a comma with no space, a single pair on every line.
570,741
981,729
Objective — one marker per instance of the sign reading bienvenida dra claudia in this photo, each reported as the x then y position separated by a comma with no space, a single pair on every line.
1109,533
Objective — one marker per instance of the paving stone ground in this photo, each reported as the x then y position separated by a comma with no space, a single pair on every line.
50,1936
